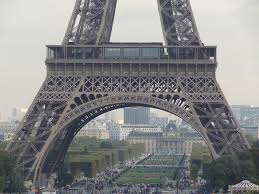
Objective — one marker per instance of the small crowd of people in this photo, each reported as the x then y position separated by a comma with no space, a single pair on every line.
136,189
184,180
103,182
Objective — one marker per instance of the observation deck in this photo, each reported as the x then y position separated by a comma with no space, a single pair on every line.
127,53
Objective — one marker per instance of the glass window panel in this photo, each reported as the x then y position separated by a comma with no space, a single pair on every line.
172,52
212,52
131,52
150,52
60,52
78,53
51,53
112,52
88,53
181,53
203,53
98,52
191,53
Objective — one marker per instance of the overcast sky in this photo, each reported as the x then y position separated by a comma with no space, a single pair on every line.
26,26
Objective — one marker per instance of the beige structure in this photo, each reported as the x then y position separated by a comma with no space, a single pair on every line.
94,129
165,143
7,130
251,131
121,132
18,113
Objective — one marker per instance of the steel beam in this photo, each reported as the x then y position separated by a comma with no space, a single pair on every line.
178,24
78,88
91,22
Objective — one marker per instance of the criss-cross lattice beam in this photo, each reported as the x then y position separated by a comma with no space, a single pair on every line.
179,27
91,22
79,87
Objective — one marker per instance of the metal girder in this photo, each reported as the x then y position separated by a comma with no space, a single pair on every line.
91,22
51,124
178,24
56,121
69,99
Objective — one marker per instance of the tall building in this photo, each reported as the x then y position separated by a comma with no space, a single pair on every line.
137,116
246,115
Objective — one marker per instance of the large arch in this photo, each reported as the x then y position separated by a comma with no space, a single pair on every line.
66,103
80,115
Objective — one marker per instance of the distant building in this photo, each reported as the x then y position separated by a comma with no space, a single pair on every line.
171,126
158,121
94,129
121,132
246,115
18,114
164,142
8,130
250,131
117,116
137,116
186,126
114,131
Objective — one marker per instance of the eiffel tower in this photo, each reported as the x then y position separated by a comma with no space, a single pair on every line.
87,75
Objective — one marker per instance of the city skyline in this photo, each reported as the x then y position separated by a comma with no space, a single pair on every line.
24,38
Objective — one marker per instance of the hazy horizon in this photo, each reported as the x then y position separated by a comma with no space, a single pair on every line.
28,25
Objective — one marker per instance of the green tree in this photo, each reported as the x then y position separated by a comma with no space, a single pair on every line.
106,145
195,167
10,181
255,155
229,170
222,172
200,155
247,166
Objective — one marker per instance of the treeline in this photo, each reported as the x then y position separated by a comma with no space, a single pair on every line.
89,156
227,170
10,180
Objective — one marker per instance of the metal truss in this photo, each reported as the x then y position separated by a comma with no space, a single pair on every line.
70,99
178,23
91,22
66,103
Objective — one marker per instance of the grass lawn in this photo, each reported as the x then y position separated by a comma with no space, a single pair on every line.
151,175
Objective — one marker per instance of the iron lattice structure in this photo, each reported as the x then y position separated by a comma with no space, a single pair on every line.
88,76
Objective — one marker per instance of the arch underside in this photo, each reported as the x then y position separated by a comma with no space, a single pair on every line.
111,103
65,104
80,114
83,113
